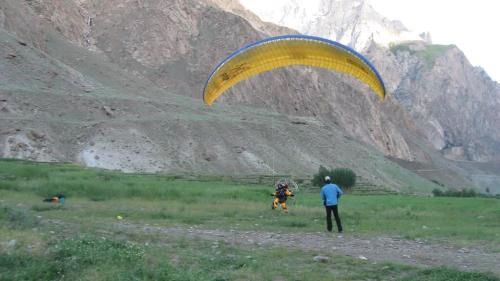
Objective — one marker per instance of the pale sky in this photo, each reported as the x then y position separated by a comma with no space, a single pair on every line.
472,25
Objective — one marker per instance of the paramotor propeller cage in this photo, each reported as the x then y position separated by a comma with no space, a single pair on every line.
292,186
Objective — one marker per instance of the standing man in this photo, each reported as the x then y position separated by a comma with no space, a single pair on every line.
330,193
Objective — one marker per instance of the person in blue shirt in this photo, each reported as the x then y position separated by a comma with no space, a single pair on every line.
330,193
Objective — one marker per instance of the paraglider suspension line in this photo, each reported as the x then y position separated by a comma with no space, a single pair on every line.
272,138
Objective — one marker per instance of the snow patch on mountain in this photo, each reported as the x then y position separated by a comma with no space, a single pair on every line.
353,23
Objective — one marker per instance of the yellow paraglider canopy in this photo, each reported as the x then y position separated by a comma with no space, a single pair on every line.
281,51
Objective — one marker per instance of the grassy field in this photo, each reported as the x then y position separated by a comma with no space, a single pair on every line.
75,241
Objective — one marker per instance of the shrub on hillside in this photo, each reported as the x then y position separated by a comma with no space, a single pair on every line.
465,192
437,192
344,177
319,178
455,193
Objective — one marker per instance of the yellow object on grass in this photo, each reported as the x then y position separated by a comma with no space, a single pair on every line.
281,51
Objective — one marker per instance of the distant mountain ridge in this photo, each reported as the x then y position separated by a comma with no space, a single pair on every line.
353,23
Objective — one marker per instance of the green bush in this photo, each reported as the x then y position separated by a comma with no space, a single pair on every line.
455,193
437,192
343,177
465,192
319,178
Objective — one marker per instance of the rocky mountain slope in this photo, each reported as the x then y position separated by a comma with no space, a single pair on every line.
117,84
457,105
176,45
454,103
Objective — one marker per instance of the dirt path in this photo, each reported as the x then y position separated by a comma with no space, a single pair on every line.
379,248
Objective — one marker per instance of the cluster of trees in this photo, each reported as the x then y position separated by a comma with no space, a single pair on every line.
455,193
343,177
466,192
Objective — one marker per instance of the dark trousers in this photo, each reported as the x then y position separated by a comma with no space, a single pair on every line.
335,210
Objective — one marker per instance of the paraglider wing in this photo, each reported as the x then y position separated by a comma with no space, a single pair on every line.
281,51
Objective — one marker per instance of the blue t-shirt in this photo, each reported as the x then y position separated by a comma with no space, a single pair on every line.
329,193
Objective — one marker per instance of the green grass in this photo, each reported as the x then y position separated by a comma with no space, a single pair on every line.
96,194
80,242
442,273
100,258
91,257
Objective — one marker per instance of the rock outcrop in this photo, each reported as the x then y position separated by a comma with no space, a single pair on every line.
455,104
